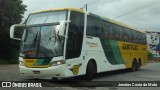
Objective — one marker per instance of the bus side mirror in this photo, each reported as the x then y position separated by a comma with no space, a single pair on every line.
16,31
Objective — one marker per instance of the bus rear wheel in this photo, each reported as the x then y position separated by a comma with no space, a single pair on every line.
89,71
134,66
138,65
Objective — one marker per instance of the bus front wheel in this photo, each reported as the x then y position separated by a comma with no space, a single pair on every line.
90,71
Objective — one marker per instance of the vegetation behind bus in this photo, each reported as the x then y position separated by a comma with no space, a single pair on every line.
11,13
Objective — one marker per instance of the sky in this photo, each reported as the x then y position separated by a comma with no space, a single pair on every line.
140,14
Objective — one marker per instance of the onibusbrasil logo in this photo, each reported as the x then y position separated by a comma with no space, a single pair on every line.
21,84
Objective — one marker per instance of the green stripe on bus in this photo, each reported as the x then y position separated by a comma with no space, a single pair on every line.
112,51
108,51
40,62
116,51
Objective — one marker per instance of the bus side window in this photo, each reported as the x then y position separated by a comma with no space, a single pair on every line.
132,36
124,35
106,29
121,32
93,27
135,37
116,32
90,28
129,34
139,38
143,38
97,30
97,27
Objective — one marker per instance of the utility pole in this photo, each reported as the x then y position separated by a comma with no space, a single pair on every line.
86,7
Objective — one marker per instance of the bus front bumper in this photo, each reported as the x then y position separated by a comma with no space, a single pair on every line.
55,71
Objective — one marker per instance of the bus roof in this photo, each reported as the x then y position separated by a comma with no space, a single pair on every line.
59,9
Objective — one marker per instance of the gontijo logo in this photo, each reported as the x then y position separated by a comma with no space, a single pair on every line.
75,69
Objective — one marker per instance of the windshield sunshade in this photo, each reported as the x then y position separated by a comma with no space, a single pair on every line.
47,17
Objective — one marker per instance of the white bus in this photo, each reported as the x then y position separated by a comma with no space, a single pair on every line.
71,42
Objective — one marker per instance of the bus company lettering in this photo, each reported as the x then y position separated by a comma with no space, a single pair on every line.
130,47
91,44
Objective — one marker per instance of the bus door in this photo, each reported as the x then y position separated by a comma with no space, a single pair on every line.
74,41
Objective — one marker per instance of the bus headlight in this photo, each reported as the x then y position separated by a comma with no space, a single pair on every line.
55,63
21,63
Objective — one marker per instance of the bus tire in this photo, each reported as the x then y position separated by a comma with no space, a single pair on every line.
138,65
134,66
89,71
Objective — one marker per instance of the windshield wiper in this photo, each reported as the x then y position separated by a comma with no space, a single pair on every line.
35,39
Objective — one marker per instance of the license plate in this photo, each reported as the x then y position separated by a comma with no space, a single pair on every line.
36,72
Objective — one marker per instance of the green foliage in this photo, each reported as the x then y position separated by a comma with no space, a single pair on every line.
150,56
11,12
3,62
14,52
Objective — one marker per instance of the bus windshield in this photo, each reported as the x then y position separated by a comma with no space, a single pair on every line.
39,38
41,41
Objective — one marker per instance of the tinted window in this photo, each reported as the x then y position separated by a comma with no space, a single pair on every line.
136,37
97,27
107,30
93,27
126,34
143,38
117,32
132,36
139,36
75,35
90,27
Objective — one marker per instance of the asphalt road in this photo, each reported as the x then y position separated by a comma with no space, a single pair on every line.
151,72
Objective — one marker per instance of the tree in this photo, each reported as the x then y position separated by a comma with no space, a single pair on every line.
11,12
